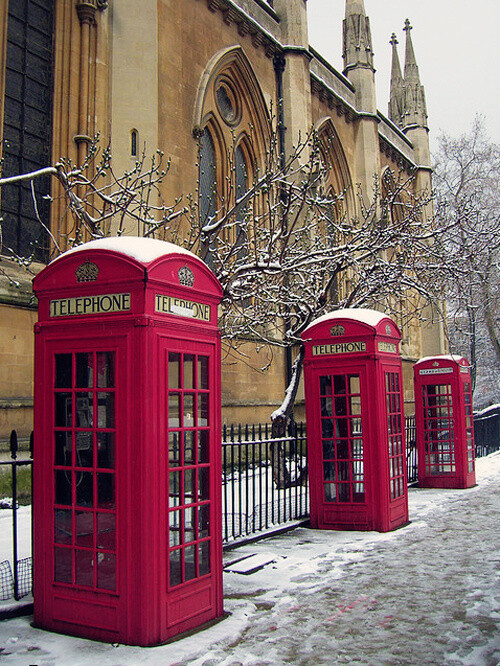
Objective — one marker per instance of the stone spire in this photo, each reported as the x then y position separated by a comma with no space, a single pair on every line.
357,37
396,101
415,108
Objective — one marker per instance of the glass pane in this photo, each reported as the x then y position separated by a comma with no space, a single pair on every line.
63,448
64,368
330,492
84,528
174,488
354,384
325,385
84,414
63,488
189,489
174,439
188,371
339,384
203,521
84,488
84,370
343,449
63,410
174,525
326,407
175,571
106,491
84,447
326,428
106,531
340,406
203,480
105,369
63,528
357,448
203,409
341,428
355,405
63,569
106,450
204,555
189,447
203,447
188,410
344,492
359,492
343,471
106,571
105,410
190,562
174,410
328,449
203,372
84,568
189,524
174,370
329,471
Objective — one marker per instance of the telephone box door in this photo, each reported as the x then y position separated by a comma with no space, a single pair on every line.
339,465
84,382
192,472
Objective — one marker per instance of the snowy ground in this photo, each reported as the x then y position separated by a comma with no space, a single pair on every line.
425,594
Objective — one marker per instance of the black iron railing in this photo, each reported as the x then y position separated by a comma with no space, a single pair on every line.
15,580
411,449
264,484
264,479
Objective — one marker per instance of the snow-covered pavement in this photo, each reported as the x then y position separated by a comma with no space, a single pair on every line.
428,593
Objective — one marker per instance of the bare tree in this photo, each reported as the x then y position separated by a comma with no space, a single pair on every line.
467,176
284,251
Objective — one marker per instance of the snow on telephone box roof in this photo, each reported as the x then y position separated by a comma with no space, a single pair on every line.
371,318
144,250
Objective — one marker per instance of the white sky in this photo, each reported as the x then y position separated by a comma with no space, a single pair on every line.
457,48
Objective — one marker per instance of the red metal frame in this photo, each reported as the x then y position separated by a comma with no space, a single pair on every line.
355,421
103,541
444,422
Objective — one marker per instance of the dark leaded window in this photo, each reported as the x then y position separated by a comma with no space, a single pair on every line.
208,177
27,123
208,186
241,179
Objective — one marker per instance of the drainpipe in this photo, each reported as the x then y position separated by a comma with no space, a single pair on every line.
279,63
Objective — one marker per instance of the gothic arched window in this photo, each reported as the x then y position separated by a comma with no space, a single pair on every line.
208,177
241,187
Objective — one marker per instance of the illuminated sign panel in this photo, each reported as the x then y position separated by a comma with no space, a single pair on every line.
87,305
182,307
339,348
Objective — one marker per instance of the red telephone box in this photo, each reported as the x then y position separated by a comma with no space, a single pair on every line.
444,422
355,422
127,523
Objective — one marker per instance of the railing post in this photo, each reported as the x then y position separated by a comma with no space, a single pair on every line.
13,454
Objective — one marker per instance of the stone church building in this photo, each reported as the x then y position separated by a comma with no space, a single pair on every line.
162,74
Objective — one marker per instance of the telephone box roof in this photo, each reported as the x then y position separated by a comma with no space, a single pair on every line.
363,315
454,358
144,250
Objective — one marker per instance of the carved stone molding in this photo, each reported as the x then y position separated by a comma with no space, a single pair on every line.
86,9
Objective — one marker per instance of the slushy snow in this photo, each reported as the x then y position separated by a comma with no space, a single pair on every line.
425,594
